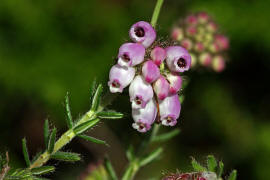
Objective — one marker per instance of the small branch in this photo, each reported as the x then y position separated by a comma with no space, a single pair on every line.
62,141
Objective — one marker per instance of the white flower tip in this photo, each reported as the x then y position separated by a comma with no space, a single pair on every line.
115,87
168,122
139,127
135,105
123,62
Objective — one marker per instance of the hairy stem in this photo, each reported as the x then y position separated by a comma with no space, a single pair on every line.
156,12
62,141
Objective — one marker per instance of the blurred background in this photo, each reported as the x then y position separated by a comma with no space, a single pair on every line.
50,47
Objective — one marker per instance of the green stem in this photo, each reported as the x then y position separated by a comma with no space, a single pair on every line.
133,166
131,170
62,141
156,12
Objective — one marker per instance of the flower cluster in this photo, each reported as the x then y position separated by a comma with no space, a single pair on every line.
153,73
198,33
192,176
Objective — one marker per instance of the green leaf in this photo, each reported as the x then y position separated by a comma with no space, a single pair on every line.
110,169
129,173
197,167
211,163
85,126
152,156
46,133
110,115
68,111
233,175
92,139
96,98
52,141
92,89
42,170
220,169
66,156
166,136
25,152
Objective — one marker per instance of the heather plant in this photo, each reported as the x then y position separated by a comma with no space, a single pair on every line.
153,70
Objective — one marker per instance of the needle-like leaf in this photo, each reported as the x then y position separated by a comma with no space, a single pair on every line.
66,156
196,166
211,163
68,111
52,141
110,115
92,139
96,98
42,170
110,169
46,133
85,126
25,152
233,175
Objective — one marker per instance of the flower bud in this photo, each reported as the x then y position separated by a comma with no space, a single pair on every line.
161,87
194,59
186,43
120,77
205,59
131,54
175,82
169,109
212,27
140,92
178,59
150,71
222,42
158,55
214,48
203,17
191,20
177,34
199,47
191,31
201,30
142,32
218,63
144,118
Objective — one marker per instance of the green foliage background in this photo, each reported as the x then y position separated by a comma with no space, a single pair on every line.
50,47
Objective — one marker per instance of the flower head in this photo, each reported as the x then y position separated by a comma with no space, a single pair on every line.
142,32
157,79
